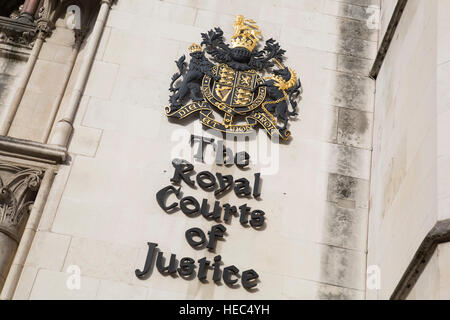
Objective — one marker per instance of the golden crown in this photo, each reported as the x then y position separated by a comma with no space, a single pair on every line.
195,48
246,33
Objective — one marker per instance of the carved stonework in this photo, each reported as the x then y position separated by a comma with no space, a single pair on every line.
15,32
16,13
18,189
21,29
43,17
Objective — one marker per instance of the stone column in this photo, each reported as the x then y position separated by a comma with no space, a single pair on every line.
18,189
63,127
9,114
79,38
8,247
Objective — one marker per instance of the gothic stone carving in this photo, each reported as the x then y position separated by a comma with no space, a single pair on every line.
21,31
15,32
18,189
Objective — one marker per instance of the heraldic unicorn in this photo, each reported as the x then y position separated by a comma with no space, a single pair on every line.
233,86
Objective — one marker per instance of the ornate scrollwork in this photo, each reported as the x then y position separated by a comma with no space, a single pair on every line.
18,190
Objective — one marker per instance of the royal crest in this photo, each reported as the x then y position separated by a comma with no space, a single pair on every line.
234,86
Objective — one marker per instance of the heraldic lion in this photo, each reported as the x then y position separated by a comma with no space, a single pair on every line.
191,83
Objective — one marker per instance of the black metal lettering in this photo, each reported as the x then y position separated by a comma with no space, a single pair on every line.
242,188
182,168
195,232
161,197
189,201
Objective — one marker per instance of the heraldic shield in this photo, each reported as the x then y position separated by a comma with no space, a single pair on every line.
233,87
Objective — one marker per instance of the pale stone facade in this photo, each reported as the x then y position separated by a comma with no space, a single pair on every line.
91,116
409,167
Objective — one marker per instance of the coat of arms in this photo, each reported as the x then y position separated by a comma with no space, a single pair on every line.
233,86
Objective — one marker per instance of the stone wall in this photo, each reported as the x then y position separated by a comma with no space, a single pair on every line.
387,8
443,110
101,210
409,178
434,283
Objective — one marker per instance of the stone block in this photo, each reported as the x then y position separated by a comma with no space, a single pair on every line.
350,64
113,290
52,285
349,161
101,259
85,141
355,128
48,251
348,192
101,80
25,284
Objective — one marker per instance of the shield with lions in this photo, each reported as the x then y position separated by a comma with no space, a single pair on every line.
233,92
234,87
